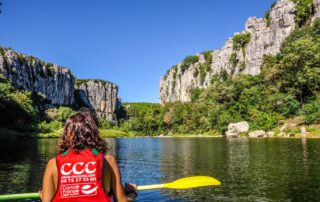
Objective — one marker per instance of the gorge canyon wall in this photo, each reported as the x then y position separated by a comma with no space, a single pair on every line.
57,83
266,37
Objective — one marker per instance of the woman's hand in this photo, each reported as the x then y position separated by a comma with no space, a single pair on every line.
40,194
120,194
131,191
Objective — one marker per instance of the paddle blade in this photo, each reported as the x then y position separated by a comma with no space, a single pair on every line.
192,182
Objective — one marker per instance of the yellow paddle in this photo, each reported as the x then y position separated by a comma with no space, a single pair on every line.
183,183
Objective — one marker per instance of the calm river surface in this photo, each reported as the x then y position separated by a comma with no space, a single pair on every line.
249,169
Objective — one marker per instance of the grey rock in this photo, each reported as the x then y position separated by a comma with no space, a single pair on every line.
32,74
101,96
257,133
265,40
241,127
234,129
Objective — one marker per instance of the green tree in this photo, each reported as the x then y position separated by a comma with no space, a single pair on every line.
311,112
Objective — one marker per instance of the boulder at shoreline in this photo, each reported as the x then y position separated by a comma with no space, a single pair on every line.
234,129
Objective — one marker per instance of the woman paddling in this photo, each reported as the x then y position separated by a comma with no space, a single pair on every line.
81,172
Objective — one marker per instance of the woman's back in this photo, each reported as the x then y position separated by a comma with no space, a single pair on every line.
80,176
81,172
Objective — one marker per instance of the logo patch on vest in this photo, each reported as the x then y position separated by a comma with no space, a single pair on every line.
77,190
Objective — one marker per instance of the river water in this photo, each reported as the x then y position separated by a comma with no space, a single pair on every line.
249,169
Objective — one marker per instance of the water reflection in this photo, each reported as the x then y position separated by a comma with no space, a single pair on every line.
22,164
249,169
189,157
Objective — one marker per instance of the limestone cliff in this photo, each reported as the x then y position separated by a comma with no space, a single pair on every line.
57,84
99,95
266,37
30,73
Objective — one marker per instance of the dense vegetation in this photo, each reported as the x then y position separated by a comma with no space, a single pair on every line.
16,106
23,111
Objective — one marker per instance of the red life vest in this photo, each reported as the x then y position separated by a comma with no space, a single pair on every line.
80,176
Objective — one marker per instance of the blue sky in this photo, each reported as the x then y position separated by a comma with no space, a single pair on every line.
129,42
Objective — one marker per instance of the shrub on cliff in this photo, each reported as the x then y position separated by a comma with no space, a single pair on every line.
188,61
207,56
267,17
304,9
241,40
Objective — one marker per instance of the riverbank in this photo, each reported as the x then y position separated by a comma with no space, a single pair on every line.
312,131
289,128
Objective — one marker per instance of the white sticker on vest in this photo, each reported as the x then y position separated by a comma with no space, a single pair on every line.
77,190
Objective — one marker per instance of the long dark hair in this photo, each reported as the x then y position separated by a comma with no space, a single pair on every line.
81,132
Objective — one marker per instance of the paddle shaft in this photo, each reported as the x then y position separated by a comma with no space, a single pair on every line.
36,195
9,197
147,187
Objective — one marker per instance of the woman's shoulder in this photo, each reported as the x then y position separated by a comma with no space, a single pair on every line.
110,159
52,166
52,162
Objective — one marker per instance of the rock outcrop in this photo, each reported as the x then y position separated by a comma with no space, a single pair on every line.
57,84
99,95
29,73
234,129
266,38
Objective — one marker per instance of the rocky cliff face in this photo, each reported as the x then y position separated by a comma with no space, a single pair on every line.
102,96
266,38
58,83
29,73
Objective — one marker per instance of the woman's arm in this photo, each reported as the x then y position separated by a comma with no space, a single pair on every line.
116,184
49,184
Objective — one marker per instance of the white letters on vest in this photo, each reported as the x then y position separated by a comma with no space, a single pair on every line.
87,168
75,167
